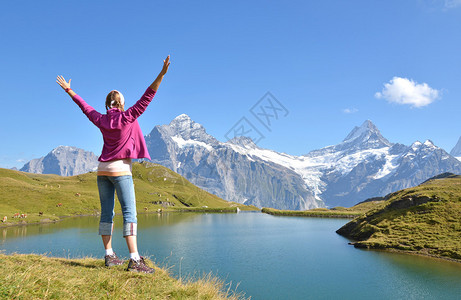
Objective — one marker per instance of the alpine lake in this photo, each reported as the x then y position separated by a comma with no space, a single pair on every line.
264,256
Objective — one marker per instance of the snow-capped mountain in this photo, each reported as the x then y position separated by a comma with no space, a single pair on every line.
456,151
64,161
226,169
386,170
363,165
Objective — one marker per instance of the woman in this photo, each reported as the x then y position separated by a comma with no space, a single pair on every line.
123,141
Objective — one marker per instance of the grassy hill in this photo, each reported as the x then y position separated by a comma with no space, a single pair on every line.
41,277
47,198
425,219
335,212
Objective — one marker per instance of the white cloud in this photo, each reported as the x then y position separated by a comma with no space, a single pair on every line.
350,110
406,91
452,3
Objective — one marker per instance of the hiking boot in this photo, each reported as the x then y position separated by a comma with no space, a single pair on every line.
139,266
112,260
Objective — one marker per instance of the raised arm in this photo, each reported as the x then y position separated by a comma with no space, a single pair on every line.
140,106
158,80
89,111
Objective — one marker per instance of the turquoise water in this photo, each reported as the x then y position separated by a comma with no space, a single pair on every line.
268,257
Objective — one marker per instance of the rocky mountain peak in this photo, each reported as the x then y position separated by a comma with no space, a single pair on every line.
367,136
182,118
364,132
188,129
429,143
64,161
416,145
183,122
243,141
58,150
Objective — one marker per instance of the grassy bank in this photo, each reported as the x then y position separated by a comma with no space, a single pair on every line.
40,277
336,212
425,219
48,198
208,209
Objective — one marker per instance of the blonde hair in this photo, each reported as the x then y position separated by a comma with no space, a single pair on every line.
115,99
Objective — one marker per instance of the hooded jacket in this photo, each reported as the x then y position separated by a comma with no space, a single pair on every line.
122,135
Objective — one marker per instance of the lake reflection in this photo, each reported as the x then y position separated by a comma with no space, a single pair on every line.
270,257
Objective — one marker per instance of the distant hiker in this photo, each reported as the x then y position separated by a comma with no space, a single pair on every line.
123,141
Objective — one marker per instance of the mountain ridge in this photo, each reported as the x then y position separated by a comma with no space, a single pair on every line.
64,161
363,165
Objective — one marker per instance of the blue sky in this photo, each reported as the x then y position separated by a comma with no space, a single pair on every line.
331,64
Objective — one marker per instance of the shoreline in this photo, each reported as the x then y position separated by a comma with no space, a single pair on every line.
224,210
311,214
400,251
329,214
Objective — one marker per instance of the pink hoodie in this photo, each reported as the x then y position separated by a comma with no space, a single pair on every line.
120,130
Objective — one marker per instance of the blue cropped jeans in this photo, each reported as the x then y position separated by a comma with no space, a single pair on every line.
107,185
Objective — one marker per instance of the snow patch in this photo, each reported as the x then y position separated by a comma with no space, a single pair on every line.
416,145
429,144
182,143
390,165
312,167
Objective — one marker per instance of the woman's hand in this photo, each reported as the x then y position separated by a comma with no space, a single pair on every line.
158,80
166,64
62,82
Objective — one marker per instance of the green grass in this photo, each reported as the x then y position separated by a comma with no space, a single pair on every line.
27,193
425,219
336,212
41,277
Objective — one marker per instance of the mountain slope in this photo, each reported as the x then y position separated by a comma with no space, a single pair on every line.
424,219
156,187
